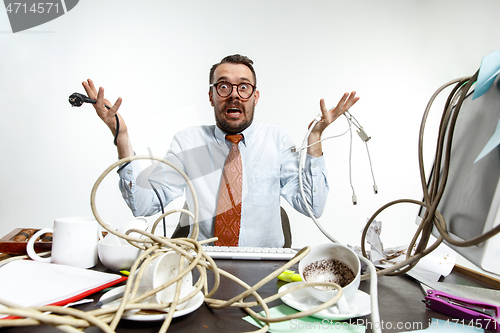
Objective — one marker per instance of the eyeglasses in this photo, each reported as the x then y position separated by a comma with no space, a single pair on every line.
224,89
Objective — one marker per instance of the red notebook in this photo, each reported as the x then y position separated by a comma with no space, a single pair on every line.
31,283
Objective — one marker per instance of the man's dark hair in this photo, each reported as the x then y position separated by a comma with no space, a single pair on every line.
234,59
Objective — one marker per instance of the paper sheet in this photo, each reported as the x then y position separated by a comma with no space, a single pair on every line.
439,262
490,67
304,324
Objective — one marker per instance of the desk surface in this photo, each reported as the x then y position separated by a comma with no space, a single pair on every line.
400,303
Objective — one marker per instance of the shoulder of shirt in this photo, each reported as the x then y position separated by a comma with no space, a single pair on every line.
269,128
194,131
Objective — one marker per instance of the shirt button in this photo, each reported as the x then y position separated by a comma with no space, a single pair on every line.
314,165
315,191
128,172
130,195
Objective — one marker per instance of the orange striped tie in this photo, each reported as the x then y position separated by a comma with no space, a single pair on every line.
228,219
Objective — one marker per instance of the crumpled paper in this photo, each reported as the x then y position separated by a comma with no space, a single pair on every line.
439,262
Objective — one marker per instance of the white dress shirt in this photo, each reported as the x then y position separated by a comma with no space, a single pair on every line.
270,170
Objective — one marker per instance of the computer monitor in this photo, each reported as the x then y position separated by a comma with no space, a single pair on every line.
471,200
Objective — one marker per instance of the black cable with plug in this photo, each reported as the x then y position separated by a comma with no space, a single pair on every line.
77,99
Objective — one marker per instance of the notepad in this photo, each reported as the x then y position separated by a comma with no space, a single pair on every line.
31,283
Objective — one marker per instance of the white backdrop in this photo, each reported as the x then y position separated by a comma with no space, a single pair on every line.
156,55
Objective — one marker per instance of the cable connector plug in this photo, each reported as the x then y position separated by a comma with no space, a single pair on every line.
362,134
354,199
375,188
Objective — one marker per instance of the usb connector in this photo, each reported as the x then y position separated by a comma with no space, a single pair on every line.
362,134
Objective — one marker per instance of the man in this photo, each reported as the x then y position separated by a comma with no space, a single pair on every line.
267,167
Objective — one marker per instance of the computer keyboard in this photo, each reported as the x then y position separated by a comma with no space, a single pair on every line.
250,253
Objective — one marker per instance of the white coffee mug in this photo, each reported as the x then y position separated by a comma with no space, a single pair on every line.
331,251
74,242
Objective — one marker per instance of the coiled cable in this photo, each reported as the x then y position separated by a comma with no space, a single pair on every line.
434,191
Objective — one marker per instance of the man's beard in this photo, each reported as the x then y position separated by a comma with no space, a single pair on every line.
233,127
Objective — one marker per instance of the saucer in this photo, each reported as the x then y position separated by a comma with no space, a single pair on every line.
193,304
302,300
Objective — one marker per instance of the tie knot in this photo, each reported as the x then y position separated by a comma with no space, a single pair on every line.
234,138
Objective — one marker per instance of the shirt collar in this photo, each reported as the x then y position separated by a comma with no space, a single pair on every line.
220,135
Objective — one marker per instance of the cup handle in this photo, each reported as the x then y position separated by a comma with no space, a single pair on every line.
30,247
342,305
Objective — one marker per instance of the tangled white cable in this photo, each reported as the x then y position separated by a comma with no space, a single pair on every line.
107,319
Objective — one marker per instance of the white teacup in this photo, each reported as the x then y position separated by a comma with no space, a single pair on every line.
330,252
74,242
140,223
161,270
117,257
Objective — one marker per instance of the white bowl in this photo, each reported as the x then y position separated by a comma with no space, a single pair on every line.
117,257
332,251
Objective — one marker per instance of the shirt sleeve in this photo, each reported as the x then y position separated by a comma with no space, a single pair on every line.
315,183
140,200
145,191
